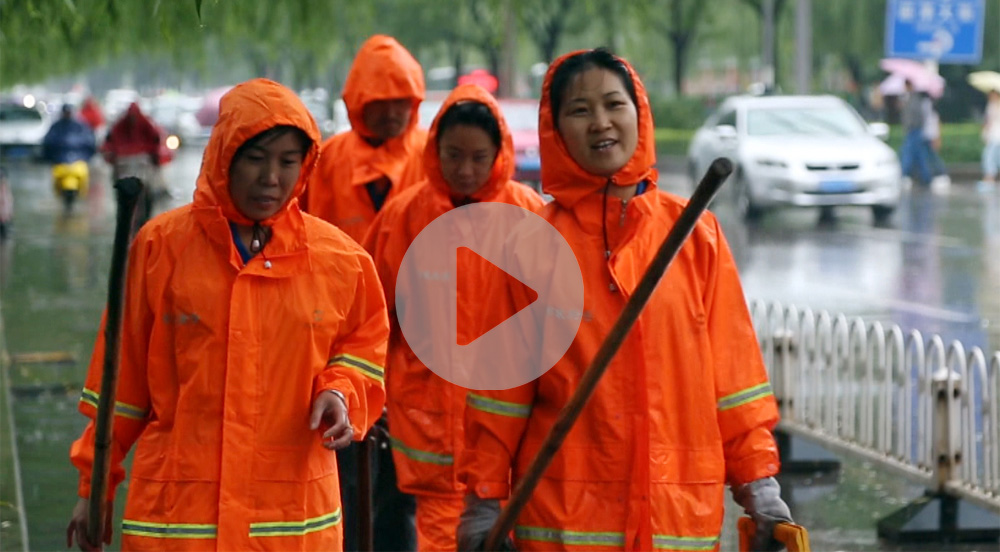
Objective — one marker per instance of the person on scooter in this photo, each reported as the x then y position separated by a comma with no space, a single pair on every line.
68,145
133,147
68,140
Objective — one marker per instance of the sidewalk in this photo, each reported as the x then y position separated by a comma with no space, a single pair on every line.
13,529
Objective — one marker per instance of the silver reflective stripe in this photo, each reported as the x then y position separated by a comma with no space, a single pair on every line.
421,455
671,542
502,408
168,530
295,528
744,396
577,538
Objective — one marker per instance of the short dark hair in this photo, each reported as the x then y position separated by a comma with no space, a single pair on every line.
598,58
272,134
473,114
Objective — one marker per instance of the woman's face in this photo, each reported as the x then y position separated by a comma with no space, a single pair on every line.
262,177
466,153
598,122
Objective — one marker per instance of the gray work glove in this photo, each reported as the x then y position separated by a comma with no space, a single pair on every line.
761,500
474,524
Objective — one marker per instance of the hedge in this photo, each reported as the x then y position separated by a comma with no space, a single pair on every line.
960,142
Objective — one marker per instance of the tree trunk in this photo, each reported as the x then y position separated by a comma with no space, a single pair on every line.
456,52
680,42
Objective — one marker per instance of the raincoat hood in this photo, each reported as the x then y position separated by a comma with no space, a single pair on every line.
503,166
382,70
562,177
244,112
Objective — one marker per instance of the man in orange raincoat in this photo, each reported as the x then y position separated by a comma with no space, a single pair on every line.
684,407
469,158
359,170
253,340
362,168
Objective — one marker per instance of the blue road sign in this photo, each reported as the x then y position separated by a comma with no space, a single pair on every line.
949,31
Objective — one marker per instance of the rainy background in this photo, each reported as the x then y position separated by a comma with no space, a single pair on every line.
934,266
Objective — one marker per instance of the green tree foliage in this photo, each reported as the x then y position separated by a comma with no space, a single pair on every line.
678,21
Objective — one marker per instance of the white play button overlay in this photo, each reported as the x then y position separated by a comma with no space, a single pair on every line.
489,296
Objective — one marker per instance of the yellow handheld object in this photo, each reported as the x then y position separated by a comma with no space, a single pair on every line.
794,537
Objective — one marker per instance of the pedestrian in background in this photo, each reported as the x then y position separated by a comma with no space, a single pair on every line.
253,340
684,407
940,181
913,153
469,158
991,138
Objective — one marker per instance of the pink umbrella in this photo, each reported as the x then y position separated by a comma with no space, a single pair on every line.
481,77
209,112
902,70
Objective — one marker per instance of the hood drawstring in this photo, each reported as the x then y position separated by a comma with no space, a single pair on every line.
259,239
604,232
604,220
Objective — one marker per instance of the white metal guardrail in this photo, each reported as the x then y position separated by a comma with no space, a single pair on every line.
924,410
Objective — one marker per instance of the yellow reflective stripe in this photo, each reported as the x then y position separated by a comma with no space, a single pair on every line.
369,369
168,530
295,528
673,542
500,408
749,394
89,397
576,538
421,455
122,409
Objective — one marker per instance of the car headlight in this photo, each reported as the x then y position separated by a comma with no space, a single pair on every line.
173,142
773,163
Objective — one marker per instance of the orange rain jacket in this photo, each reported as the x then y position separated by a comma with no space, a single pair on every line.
382,70
220,362
425,411
685,405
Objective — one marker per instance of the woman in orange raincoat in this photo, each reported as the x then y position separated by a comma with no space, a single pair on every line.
469,158
364,167
685,406
252,346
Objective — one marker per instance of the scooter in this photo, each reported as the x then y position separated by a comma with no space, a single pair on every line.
70,181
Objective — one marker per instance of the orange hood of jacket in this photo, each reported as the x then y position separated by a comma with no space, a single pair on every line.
562,177
382,70
244,112
503,166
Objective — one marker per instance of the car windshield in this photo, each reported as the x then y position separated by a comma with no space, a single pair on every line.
808,121
15,113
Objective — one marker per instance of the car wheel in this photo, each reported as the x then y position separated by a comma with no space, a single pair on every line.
745,207
882,213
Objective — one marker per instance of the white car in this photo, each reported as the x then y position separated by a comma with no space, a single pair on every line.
22,130
806,151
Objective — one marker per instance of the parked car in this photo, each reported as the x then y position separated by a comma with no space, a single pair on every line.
806,151
22,130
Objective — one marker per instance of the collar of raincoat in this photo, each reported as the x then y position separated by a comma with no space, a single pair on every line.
244,112
382,70
562,177
503,166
